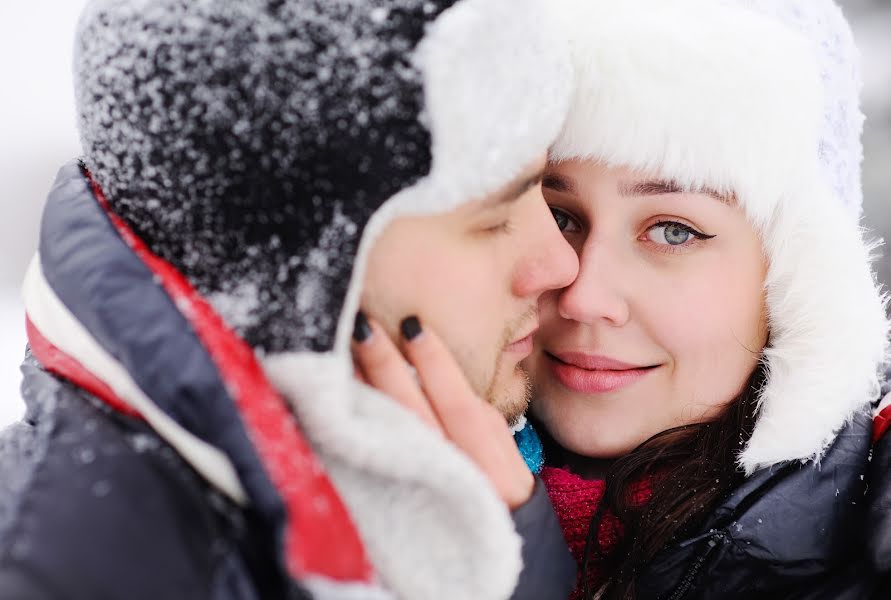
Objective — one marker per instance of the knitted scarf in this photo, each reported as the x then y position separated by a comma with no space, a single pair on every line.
575,500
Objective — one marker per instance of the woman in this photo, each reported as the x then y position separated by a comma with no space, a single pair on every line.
706,387
705,383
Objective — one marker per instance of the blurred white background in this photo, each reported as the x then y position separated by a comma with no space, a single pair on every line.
37,135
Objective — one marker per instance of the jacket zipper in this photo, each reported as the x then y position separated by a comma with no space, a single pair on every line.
687,581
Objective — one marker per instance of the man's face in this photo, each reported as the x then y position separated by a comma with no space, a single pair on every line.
474,276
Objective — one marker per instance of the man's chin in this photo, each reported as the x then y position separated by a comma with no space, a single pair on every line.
511,395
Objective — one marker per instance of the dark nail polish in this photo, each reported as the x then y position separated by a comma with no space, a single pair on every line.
411,328
361,328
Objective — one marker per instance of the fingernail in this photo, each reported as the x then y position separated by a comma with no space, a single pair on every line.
361,328
411,328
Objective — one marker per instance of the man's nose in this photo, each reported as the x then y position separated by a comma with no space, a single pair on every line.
597,294
549,262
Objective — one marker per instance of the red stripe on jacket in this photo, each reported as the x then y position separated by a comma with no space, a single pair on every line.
58,362
320,537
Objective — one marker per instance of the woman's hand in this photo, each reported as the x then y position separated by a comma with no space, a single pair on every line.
443,400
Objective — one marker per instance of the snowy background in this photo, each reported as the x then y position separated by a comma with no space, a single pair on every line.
37,135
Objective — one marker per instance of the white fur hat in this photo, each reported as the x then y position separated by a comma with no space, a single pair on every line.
759,99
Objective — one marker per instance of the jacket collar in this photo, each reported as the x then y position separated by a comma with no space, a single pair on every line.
108,314
789,520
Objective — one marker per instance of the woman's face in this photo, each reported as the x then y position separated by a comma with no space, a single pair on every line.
666,320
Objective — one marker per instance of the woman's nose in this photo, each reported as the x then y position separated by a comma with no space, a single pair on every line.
598,293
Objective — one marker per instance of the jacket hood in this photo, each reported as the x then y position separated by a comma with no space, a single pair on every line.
120,323
758,101
251,143
340,505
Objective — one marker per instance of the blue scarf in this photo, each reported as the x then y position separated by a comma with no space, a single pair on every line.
530,447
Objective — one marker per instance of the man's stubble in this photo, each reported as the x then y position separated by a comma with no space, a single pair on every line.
512,406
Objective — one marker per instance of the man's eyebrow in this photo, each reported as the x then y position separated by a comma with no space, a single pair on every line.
656,187
559,183
517,189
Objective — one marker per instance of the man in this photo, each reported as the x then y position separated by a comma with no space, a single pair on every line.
243,163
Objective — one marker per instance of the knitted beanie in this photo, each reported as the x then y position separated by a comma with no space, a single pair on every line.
251,143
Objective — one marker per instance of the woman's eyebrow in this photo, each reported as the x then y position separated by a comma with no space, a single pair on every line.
657,187
559,183
652,187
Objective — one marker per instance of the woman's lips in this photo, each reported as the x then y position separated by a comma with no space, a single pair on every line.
594,374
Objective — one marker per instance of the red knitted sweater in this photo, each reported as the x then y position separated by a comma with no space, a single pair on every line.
575,500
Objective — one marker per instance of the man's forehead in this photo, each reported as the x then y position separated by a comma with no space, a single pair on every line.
530,176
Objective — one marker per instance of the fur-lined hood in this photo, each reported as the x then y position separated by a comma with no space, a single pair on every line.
758,101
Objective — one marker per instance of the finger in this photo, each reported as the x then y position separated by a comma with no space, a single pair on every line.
446,387
384,368
474,425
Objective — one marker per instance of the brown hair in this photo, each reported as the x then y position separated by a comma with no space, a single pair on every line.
689,469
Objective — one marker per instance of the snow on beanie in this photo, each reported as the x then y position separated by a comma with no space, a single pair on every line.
238,137
249,143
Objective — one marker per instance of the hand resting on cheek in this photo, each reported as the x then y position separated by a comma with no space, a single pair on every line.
443,399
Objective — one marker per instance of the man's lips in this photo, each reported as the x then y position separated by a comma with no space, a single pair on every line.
522,345
592,374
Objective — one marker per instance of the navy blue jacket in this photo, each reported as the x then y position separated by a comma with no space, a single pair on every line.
95,505
792,532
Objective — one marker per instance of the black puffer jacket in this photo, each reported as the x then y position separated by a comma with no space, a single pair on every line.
96,505
794,531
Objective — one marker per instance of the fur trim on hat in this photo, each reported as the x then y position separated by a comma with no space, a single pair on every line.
716,95
488,120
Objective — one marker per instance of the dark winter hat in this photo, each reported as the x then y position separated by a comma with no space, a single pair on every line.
249,143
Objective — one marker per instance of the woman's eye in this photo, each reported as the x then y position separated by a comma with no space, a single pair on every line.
565,222
674,234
